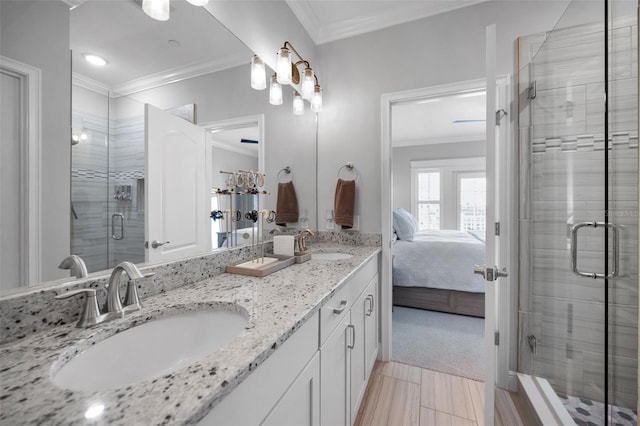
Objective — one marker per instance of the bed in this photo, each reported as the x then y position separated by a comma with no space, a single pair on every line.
434,270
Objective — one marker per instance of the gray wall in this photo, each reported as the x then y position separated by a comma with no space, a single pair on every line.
289,139
403,156
37,33
356,72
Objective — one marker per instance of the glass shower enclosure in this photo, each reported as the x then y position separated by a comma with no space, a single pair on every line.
578,210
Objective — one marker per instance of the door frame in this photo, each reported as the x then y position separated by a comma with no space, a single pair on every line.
505,350
30,187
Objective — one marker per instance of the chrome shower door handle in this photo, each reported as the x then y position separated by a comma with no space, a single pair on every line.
574,250
113,226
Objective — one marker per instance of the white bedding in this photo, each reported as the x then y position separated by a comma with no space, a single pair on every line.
439,259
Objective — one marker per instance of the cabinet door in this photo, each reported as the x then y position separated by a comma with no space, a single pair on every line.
335,375
371,325
299,406
358,365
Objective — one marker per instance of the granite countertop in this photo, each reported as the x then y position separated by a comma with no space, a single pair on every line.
276,305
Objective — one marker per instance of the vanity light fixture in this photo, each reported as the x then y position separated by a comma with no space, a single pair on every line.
287,73
258,74
275,91
94,59
157,9
298,104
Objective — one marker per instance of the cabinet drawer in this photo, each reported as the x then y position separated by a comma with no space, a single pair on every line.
363,277
334,311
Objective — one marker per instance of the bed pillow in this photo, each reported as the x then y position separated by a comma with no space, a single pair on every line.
404,224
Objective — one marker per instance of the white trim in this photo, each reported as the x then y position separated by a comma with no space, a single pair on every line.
235,123
239,122
402,143
386,185
32,80
367,21
177,74
162,78
90,84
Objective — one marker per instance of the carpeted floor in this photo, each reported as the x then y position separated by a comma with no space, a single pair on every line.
438,341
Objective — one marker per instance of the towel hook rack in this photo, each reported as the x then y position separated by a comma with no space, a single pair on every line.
350,167
286,171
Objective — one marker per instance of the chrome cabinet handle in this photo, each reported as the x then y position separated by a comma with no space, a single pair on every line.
353,336
370,310
343,306
490,274
113,226
574,250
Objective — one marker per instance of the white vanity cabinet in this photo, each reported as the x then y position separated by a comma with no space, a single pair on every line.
348,354
319,375
289,377
364,319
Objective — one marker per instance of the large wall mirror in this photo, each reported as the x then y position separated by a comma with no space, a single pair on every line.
82,186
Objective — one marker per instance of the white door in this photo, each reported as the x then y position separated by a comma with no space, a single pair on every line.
498,228
176,211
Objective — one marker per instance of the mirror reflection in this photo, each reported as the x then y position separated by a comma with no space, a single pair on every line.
94,161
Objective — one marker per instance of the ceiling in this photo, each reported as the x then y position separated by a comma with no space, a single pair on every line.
144,53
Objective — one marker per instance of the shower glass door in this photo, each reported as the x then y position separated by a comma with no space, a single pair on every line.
578,131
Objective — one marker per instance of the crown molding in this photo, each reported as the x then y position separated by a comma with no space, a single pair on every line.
368,22
177,74
407,143
90,84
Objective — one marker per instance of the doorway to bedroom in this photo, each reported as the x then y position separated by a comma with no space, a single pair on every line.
438,200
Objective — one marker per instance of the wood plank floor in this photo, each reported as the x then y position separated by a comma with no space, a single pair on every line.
400,394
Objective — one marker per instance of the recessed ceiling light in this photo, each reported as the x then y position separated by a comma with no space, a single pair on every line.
94,59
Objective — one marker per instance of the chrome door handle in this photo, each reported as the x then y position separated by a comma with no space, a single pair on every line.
113,226
574,250
154,244
343,306
479,270
490,274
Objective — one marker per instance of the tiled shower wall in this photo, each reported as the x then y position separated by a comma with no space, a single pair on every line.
561,316
99,164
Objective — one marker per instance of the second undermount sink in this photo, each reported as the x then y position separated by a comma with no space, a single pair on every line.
150,350
330,255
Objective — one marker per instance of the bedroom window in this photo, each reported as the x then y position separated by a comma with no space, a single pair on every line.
448,194
428,200
472,193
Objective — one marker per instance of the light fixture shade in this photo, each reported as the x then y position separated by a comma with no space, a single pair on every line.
198,2
275,92
298,104
316,99
258,74
308,83
157,9
283,67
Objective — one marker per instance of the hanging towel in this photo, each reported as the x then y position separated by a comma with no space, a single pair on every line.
287,204
344,202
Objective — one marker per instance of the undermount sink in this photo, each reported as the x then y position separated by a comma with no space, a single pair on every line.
150,350
330,255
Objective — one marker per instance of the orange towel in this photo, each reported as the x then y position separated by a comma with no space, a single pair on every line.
287,204
344,202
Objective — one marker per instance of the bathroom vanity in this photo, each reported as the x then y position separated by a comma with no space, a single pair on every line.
304,356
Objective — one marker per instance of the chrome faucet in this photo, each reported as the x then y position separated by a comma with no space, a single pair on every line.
76,264
114,309
131,300
301,244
